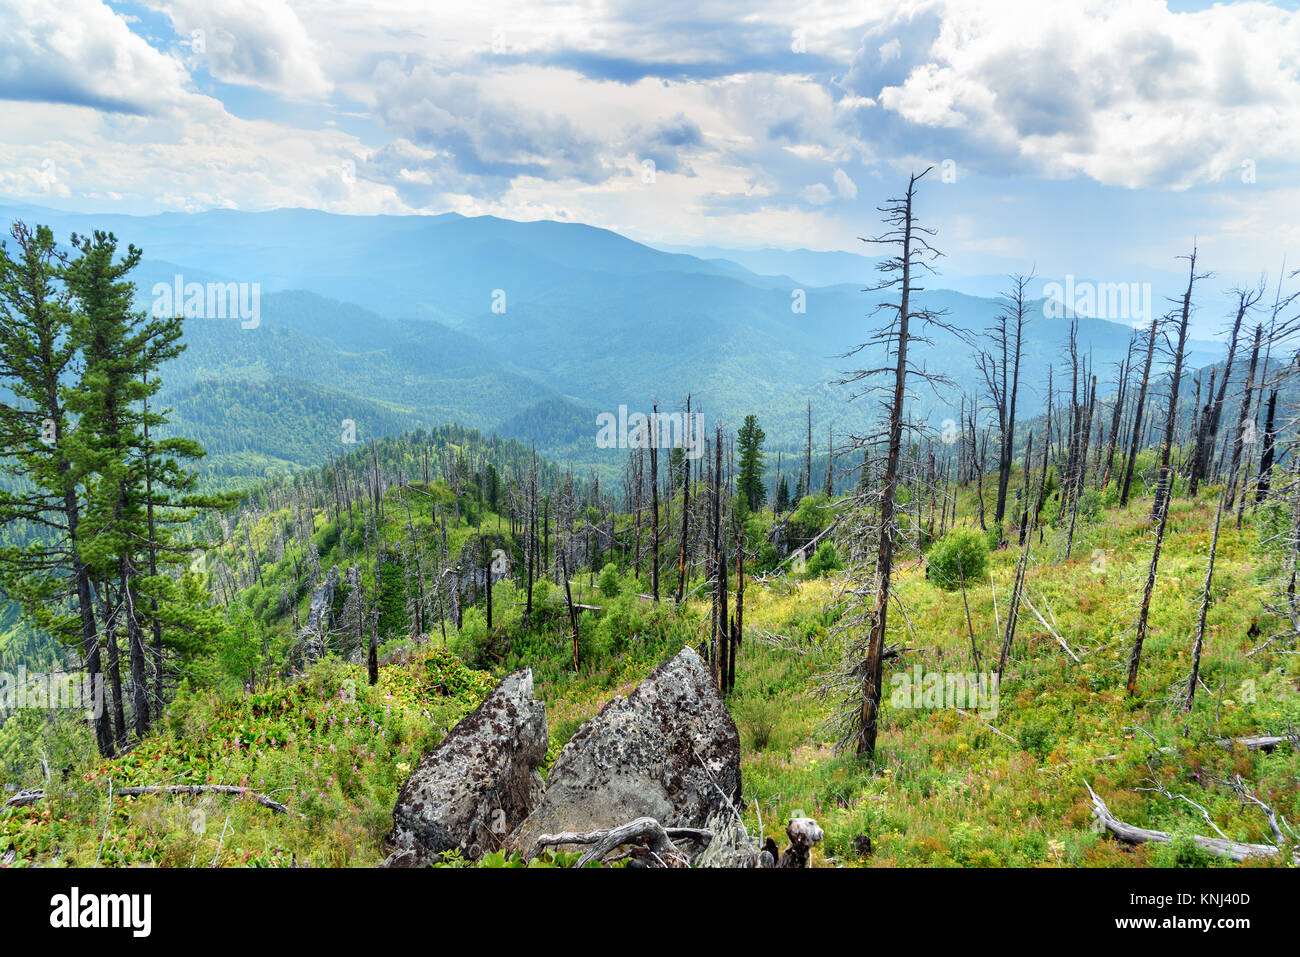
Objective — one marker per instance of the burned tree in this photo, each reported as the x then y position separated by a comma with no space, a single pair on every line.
1164,485
1208,431
999,364
1131,458
910,253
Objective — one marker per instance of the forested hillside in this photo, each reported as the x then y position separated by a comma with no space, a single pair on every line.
1020,591
407,320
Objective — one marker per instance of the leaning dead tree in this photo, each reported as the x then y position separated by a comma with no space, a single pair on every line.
859,678
1199,644
1126,480
1208,430
1022,564
1164,485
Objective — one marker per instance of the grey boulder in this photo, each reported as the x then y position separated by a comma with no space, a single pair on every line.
478,784
669,751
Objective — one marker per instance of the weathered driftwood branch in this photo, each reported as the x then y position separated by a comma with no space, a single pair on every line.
1220,847
1043,621
31,797
1259,742
644,829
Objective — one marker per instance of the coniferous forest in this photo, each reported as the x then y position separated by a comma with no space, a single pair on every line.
446,528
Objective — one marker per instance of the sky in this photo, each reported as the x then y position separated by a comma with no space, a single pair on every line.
1091,138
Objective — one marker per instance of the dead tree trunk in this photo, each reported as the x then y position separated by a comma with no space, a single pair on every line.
1131,459
654,500
913,250
686,505
1199,644
1164,487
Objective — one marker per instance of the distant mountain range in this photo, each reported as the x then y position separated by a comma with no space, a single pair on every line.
529,329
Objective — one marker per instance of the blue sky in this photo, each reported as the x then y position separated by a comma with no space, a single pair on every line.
1092,138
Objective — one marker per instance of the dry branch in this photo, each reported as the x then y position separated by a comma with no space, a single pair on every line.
1052,631
31,797
643,829
1220,847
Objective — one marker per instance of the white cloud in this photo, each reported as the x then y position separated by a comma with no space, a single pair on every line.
1123,91
258,43
819,194
1120,93
81,52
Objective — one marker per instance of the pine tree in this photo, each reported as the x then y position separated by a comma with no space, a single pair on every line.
135,487
783,496
37,350
750,484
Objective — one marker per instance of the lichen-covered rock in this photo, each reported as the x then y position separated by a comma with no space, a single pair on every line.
669,751
479,783
731,845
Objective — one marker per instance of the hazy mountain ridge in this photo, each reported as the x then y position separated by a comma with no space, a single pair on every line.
397,313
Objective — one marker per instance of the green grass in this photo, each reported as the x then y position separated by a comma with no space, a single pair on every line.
948,789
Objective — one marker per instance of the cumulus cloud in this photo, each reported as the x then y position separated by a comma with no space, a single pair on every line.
525,110
487,134
259,43
844,185
81,52
1123,91
819,194
667,143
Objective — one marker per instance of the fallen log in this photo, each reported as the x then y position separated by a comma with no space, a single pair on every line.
1259,742
31,797
644,829
1218,846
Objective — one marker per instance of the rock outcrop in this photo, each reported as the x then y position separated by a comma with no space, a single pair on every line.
669,751
320,615
478,784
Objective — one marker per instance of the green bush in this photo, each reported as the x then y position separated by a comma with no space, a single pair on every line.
609,583
961,553
1110,496
758,718
813,514
826,560
620,623
470,643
